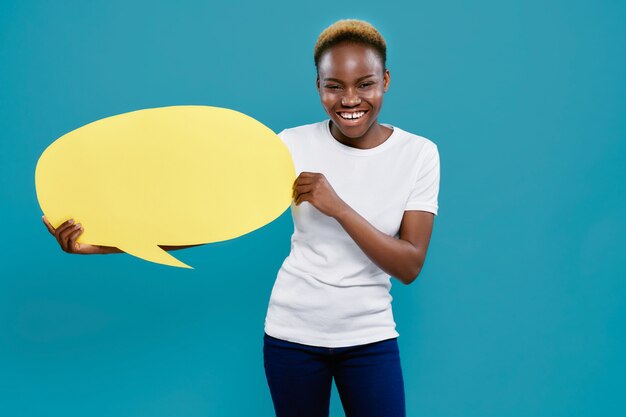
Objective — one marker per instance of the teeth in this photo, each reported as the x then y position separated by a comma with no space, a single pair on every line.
353,115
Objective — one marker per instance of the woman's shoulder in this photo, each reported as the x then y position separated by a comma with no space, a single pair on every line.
303,129
413,140
301,137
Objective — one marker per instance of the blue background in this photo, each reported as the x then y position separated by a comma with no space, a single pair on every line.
520,309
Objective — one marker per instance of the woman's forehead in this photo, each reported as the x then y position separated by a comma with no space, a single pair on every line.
348,61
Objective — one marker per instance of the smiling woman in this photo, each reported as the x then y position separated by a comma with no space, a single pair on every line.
365,198
350,59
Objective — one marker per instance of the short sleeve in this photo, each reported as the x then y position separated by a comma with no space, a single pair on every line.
425,192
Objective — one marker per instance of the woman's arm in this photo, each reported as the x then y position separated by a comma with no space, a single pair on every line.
67,233
402,258
111,249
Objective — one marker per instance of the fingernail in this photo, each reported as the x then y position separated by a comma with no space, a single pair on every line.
71,221
78,226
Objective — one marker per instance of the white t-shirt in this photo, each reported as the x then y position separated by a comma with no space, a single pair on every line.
328,292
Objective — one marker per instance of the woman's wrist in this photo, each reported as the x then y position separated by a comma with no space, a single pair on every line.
105,250
342,211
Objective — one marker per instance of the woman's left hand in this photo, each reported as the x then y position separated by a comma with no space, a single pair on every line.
315,188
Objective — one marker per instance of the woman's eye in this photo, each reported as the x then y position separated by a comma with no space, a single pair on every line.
334,87
366,84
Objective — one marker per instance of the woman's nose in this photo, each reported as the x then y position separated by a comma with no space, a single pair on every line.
350,100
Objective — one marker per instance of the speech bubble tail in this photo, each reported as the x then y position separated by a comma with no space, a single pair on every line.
152,253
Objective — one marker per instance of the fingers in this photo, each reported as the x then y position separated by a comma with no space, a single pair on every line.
305,178
302,189
63,226
64,236
71,241
303,197
48,225
59,231
305,184
304,181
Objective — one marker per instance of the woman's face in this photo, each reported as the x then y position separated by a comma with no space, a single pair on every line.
351,82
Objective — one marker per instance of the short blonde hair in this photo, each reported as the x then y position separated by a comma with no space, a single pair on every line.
350,30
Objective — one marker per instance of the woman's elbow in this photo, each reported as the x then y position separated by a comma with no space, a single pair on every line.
412,275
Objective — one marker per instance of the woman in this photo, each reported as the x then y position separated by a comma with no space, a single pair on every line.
364,204
365,201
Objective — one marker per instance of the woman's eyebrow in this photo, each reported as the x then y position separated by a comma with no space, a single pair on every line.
339,81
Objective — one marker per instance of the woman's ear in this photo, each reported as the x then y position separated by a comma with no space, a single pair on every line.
317,82
386,80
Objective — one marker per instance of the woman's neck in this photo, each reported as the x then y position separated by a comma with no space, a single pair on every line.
374,136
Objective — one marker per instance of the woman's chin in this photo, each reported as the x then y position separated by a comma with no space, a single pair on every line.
350,128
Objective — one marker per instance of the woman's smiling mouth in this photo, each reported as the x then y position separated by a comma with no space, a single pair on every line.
351,115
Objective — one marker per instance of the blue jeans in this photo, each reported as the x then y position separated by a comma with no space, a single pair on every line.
368,378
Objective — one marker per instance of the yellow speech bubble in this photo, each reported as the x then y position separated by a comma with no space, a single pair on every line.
178,175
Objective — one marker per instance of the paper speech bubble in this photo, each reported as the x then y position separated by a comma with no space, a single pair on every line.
178,175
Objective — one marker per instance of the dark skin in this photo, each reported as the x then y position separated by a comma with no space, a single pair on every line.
351,78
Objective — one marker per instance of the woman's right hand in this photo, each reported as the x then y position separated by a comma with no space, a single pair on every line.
67,233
